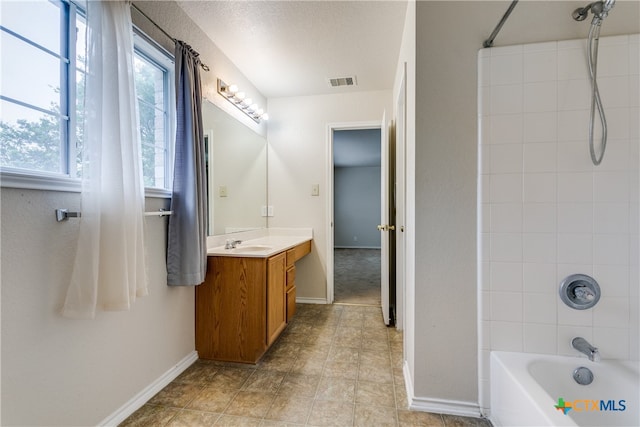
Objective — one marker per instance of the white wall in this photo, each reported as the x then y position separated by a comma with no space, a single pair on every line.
57,371
298,158
547,212
357,207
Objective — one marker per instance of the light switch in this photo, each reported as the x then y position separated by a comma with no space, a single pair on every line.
222,191
315,190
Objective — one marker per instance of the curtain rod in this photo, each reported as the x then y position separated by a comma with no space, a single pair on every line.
204,66
489,42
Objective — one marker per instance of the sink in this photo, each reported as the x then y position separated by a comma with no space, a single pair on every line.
252,248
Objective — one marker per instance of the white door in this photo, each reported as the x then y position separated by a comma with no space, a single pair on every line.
384,220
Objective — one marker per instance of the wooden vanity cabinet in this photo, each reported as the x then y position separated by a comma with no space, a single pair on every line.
244,304
276,296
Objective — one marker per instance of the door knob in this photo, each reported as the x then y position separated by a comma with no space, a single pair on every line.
382,228
386,227
391,228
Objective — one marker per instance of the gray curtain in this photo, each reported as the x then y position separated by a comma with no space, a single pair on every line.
187,237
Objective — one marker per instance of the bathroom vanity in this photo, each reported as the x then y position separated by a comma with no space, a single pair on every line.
247,298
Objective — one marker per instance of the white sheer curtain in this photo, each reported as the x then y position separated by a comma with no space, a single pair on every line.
109,268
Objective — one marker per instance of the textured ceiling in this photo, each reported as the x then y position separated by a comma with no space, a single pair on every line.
291,48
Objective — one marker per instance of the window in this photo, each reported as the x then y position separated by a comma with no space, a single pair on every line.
154,78
42,74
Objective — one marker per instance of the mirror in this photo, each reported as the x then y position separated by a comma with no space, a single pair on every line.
236,172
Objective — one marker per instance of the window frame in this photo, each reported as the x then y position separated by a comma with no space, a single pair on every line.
11,177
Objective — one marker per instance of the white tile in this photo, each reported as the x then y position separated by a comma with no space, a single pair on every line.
506,276
611,312
507,50
611,217
568,333
506,336
540,66
484,68
612,343
634,125
540,308
539,157
613,279
485,305
572,63
575,217
574,157
616,156
506,188
506,247
540,278
485,243
634,91
618,123
611,186
565,270
485,160
506,129
575,248
484,101
540,47
540,127
539,247
575,187
506,158
540,339
506,69
485,218
574,94
506,99
614,92
506,306
634,59
539,218
540,96
573,125
611,249
571,317
539,187
613,59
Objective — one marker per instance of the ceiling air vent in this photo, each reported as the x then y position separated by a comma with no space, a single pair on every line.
343,81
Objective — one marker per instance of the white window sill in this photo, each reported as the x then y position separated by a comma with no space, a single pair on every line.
56,182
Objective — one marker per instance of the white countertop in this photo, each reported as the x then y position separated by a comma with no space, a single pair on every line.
272,242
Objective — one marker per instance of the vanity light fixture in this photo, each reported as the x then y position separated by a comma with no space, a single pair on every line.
232,94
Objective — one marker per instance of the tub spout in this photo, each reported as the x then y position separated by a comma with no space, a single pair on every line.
584,347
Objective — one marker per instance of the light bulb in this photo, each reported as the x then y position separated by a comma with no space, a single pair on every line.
232,89
265,117
240,95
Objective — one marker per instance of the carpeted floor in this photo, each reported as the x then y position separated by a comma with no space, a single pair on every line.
357,276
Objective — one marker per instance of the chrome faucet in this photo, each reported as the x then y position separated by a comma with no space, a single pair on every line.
584,347
231,244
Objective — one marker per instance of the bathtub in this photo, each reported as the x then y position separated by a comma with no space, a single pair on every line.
525,389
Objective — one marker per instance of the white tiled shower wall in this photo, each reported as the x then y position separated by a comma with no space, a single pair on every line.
545,210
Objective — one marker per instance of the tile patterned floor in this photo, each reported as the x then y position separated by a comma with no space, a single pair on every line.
334,365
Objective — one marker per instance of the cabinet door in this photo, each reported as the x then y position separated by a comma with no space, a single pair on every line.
276,296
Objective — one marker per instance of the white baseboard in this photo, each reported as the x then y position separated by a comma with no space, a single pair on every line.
311,300
137,401
438,406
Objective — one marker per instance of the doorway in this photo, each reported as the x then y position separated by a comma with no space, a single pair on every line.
356,213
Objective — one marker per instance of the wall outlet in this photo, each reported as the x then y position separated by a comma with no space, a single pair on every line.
269,210
355,238
222,191
263,210
315,190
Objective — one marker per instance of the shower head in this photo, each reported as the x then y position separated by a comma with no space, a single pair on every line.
600,10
